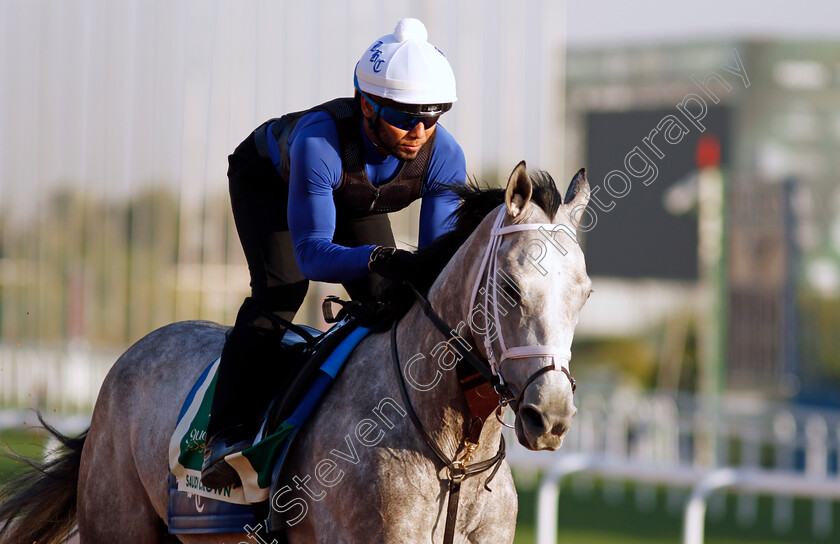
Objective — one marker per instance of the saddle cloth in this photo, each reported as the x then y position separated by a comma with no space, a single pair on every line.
256,463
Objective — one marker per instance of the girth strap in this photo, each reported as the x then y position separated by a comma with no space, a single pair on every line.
458,470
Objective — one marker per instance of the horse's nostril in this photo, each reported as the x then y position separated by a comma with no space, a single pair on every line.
532,420
560,429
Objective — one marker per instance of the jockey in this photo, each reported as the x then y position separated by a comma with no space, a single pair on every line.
310,194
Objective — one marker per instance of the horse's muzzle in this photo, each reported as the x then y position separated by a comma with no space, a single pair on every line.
545,414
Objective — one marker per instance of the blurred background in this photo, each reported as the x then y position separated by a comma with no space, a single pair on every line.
709,132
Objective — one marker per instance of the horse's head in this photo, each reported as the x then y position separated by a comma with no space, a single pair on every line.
526,302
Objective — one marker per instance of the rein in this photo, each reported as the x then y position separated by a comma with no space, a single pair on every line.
487,372
458,469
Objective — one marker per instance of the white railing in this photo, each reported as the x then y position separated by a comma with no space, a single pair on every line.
749,447
702,483
62,380
670,440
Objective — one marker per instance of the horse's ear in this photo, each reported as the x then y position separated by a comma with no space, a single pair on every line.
518,192
578,192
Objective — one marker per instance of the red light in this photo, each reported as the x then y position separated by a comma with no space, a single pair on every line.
708,151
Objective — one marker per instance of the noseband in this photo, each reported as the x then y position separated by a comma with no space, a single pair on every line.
491,369
489,271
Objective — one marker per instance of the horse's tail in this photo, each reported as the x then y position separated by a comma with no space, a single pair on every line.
39,505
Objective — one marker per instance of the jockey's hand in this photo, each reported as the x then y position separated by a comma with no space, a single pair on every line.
391,262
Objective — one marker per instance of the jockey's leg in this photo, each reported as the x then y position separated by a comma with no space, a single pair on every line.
252,369
250,373
258,199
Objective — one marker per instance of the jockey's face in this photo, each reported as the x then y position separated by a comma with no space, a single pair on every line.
403,144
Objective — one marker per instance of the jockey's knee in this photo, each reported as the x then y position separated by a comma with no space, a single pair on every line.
269,308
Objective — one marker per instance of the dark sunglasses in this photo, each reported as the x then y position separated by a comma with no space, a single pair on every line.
405,120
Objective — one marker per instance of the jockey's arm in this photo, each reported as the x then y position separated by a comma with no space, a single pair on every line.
314,173
446,167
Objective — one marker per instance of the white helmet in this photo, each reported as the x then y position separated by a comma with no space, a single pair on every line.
406,68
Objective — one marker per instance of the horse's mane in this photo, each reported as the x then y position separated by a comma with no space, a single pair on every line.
477,200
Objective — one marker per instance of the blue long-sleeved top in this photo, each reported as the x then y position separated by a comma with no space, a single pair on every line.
315,172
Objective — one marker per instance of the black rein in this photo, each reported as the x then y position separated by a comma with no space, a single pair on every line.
458,470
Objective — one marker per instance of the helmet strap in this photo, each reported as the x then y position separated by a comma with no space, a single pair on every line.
374,124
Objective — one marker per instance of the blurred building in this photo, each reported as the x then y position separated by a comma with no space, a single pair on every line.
116,120
754,257
116,123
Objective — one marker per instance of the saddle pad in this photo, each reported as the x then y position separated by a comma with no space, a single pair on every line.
190,513
254,464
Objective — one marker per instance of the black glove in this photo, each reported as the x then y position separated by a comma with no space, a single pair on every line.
391,262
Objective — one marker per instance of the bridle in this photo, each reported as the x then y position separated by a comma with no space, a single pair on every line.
490,270
490,370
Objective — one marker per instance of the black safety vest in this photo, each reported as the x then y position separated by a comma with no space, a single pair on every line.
355,195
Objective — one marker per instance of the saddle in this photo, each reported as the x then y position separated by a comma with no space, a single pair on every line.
317,357
307,352
306,348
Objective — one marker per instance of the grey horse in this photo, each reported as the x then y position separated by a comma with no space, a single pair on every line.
365,468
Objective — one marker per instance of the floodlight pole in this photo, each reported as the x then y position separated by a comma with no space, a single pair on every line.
712,323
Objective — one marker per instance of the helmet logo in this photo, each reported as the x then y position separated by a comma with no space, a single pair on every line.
374,59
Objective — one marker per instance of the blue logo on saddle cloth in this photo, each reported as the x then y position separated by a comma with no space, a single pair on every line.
195,509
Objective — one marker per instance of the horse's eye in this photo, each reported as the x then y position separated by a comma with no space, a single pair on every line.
512,291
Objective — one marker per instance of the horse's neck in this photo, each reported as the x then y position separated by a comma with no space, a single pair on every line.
435,393
443,408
